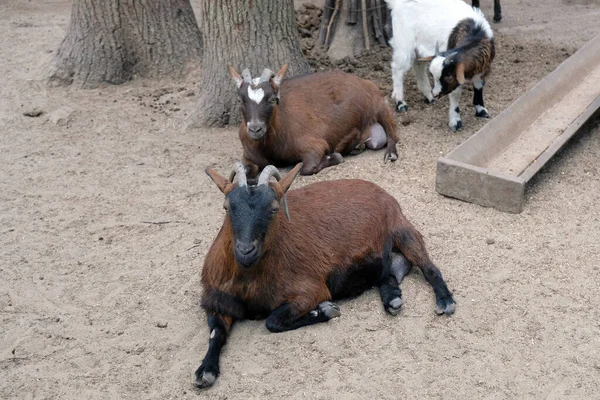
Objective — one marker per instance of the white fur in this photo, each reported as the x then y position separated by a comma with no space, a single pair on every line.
454,117
418,25
436,66
256,95
238,82
480,109
477,81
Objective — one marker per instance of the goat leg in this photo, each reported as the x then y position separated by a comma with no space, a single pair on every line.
497,11
480,110
208,372
286,317
455,122
391,295
387,122
315,162
409,242
253,165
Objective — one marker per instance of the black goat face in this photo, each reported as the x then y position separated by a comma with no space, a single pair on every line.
444,72
251,209
257,104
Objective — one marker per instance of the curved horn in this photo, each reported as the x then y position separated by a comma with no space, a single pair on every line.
266,75
437,48
247,75
264,178
240,171
267,173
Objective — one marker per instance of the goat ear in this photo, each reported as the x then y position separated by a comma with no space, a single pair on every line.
236,77
218,179
460,73
425,59
287,180
280,75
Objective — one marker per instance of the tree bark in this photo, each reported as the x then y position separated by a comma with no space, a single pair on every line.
113,40
253,34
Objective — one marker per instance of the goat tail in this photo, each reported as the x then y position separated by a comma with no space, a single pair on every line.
408,241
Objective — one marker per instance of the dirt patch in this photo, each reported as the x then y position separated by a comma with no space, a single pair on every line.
105,221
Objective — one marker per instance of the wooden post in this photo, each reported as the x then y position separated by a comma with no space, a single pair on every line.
327,11
338,5
364,24
352,12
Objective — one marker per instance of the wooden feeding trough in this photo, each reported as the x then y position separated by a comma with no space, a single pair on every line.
492,168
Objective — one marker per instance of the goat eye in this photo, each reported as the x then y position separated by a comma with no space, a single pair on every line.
275,210
226,205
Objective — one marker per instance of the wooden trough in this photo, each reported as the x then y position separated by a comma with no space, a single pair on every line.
492,168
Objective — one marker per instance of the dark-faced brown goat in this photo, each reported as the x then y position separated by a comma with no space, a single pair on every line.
343,238
315,119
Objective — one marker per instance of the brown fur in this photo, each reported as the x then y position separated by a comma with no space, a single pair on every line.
475,58
318,114
353,220
343,237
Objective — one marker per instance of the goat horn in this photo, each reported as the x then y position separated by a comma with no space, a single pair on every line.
247,75
437,48
267,74
240,171
264,178
267,173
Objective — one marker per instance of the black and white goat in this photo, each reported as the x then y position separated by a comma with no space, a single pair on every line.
458,41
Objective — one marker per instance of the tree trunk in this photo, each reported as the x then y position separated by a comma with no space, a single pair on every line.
111,40
253,34
344,23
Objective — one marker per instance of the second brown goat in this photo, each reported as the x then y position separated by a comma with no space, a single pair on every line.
316,119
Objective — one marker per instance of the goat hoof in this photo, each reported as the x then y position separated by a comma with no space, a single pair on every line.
497,19
429,101
394,306
401,106
335,158
457,126
329,310
204,378
358,149
483,113
390,157
445,305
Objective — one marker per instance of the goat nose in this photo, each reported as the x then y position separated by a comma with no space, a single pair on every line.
254,128
246,248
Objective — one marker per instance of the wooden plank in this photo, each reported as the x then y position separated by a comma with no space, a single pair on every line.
593,111
480,186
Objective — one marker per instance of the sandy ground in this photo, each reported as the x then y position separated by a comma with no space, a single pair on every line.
106,216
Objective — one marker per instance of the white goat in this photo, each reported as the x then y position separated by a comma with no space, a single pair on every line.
421,28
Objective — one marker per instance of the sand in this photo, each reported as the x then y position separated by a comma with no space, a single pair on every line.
105,218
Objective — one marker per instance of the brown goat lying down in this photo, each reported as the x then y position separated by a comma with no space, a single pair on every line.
315,119
344,237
